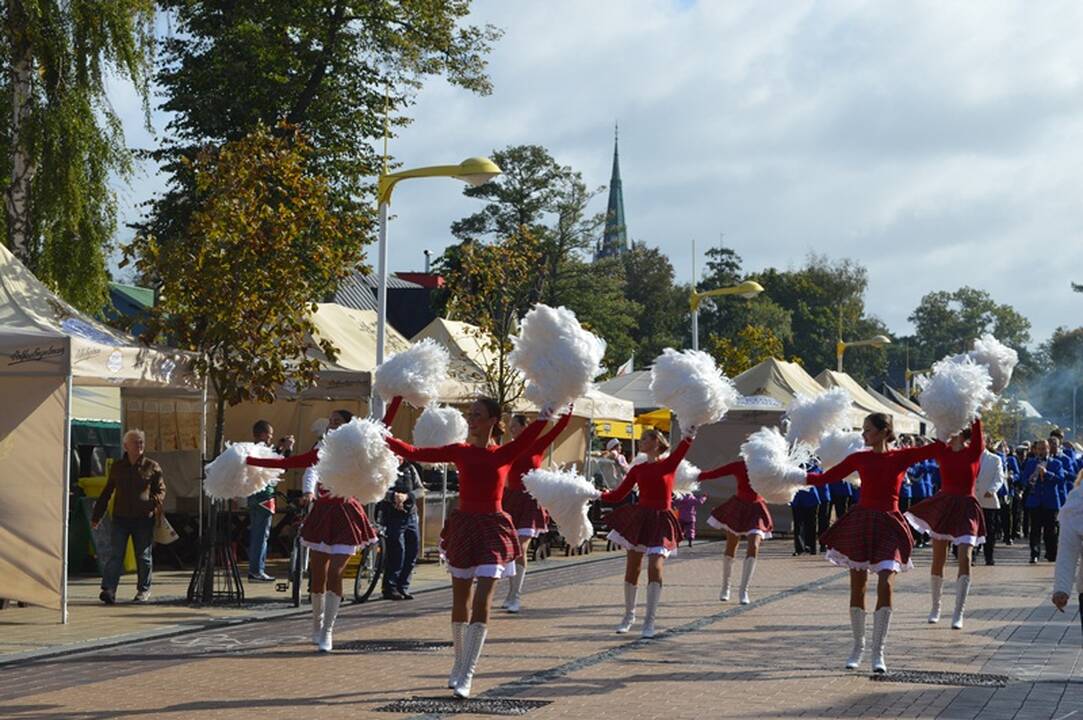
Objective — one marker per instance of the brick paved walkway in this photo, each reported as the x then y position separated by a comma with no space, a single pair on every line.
781,656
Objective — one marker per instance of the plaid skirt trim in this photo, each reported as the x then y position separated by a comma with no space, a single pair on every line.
958,519
645,530
482,571
617,539
528,517
742,517
836,558
338,526
337,549
479,540
868,539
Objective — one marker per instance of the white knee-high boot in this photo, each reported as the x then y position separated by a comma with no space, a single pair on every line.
457,631
317,616
727,570
630,593
654,595
936,588
881,621
857,627
473,642
331,603
962,589
515,590
746,577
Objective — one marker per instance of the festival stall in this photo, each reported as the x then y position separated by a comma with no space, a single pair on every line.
47,348
865,404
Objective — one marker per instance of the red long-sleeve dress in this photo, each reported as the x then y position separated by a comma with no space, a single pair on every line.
873,535
478,539
529,518
650,525
746,512
954,513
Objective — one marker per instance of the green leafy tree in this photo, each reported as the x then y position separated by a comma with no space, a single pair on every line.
596,292
265,243
329,67
752,344
726,317
1051,390
62,141
664,318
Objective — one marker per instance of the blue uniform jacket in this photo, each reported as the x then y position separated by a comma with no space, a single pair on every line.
1046,492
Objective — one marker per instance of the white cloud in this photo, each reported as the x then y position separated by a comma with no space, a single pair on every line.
938,144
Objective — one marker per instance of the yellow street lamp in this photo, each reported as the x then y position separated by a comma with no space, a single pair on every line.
474,171
747,289
877,341
909,375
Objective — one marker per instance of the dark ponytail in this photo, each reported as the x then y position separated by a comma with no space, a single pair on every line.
492,407
346,415
883,423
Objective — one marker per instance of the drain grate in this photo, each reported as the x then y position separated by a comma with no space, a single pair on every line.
473,706
925,677
375,646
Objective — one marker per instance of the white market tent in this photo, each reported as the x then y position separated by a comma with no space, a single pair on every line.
925,427
46,349
865,404
469,345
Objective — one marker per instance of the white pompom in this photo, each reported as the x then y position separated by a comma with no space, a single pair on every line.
811,417
558,358
415,374
640,458
566,495
836,446
691,385
999,359
774,471
439,426
686,479
355,461
953,395
228,476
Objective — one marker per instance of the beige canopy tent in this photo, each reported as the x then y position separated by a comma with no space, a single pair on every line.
46,348
865,404
924,426
777,379
469,348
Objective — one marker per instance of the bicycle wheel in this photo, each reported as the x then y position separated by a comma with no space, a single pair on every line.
369,569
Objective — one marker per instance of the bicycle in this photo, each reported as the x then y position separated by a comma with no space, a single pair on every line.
370,565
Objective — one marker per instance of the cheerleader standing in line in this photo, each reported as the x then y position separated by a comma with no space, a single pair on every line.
478,540
648,527
873,535
953,516
743,515
335,529
529,519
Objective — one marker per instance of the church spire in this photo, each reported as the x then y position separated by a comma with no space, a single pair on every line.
615,239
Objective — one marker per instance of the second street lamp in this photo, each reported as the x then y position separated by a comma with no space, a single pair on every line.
877,341
748,289
475,171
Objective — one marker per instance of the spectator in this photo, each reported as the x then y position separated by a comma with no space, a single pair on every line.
261,506
1044,477
140,490
1021,520
1011,494
987,488
686,504
804,507
1068,549
615,452
402,535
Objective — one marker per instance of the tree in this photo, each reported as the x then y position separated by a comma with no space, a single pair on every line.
596,292
265,243
664,315
752,345
329,67
62,141
489,286
1051,390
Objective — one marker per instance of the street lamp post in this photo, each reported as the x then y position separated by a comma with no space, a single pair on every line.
877,341
747,289
475,171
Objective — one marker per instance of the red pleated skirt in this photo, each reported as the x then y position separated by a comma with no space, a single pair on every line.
479,544
743,517
337,526
654,532
527,516
956,518
868,539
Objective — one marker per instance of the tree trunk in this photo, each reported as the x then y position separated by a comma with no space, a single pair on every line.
17,194
219,423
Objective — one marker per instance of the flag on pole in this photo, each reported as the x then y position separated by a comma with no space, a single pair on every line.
626,367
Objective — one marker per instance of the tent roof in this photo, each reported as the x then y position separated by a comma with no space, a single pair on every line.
1029,411
892,404
468,347
353,332
634,387
39,332
777,379
899,399
865,403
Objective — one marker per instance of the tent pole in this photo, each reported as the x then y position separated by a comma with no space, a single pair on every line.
66,497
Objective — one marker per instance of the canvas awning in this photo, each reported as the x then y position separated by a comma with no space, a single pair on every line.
865,404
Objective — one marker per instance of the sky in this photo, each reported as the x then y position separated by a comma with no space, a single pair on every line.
938,144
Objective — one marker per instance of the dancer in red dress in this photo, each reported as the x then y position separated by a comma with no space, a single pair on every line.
873,535
529,518
648,527
953,516
478,540
335,529
743,515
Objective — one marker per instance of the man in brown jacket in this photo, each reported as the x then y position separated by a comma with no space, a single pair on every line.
140,490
